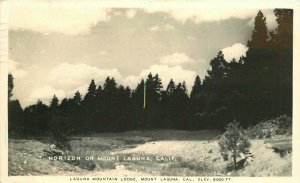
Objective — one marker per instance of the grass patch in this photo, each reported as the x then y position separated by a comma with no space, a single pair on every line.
178,167
283,146
196,154
190,168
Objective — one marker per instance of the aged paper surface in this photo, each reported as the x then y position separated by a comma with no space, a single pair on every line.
149,91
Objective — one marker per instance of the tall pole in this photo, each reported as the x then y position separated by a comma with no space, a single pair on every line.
145,87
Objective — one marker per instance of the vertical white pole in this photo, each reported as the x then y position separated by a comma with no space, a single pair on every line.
3,89
145,87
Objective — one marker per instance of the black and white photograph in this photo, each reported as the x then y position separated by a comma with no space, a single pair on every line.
149,92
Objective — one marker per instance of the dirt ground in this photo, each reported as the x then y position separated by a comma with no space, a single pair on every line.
169,152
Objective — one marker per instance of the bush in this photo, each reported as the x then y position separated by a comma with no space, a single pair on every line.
281,125
284,125
60,131
234,141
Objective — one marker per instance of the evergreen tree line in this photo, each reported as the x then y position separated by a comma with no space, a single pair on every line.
258,86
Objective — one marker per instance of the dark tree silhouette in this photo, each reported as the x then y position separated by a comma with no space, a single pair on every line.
89,107
215,90
54,102
282,58
15,112
10,85
196,101
255,87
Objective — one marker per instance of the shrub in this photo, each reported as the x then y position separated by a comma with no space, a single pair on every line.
233,142
281,125
284,125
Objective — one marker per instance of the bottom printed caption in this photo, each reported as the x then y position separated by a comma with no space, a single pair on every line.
152,179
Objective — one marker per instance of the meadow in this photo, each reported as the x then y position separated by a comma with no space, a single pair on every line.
156,153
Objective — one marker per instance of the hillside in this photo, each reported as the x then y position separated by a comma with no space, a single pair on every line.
194,154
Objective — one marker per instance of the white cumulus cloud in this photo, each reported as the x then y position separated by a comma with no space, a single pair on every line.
176,59
65,79
16,71
200,15
157,28
166,73
131,13
56,16
203,15
45,94
235,51
71,76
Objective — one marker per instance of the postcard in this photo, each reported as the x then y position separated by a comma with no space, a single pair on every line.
149,91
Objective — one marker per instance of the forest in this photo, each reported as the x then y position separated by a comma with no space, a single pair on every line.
256,87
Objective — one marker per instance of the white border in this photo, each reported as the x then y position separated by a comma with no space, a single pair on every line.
204,4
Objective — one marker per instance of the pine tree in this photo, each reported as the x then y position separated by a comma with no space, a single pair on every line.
184,89
260,33
138,116
157,84
236,97
54,102
138,94
215,90
215,81
77,98
15,118
10,85
196,89
36,119
73,111
111,105
196,102
91,94
170,87
282,57
15,112
257,73
89,107
153,96
180,107
233,142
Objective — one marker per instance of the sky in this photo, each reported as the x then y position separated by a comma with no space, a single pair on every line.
58,47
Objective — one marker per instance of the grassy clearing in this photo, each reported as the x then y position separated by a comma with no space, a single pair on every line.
24,159
266,162
195,153
281,145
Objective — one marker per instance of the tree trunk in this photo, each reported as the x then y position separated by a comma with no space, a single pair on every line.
234,158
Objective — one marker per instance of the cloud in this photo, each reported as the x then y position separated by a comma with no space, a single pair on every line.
17,72
46,94
176,59
65,79
166,73
56,16
154,28
235,51
103,52
71,76
79,16
166,27
131,13
198,16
